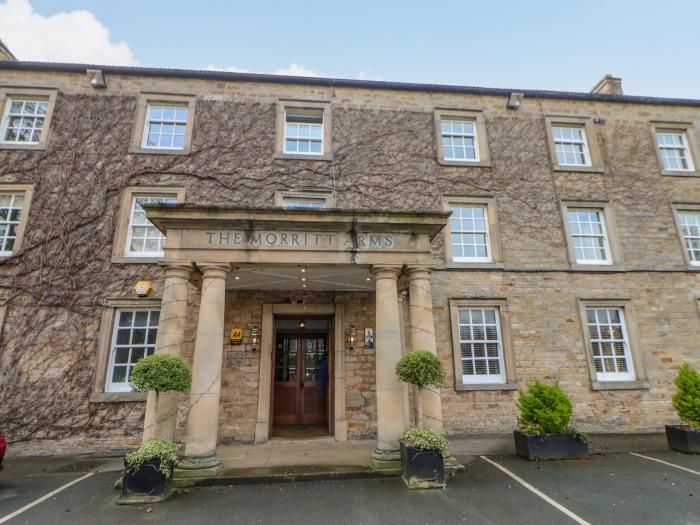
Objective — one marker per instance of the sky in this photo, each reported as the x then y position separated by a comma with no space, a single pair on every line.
565,45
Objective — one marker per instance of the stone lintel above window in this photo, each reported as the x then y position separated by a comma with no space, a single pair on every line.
28,123
302,119
167,124
577,150
465,131
676,146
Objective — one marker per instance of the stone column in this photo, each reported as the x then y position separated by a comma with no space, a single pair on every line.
169,340
423,337
390,391
203,415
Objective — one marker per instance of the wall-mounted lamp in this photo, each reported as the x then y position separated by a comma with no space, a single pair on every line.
254,337
302,324
352,337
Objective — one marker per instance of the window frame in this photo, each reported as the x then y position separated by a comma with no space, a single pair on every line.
507,356
104,348
483,158
693,149
612,240
140,129
125,210
677,209
595,162
43,94
639,380
28,191
283,105
493,231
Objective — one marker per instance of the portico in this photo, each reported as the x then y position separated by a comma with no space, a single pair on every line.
226,250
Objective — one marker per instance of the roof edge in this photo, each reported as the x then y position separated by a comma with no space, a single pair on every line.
61,67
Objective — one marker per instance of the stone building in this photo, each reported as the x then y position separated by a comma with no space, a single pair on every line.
318,228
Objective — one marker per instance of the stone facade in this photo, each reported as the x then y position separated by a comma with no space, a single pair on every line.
384,158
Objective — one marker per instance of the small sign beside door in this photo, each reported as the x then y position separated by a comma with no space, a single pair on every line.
236,336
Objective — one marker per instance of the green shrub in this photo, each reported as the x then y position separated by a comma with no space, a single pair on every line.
425,439
421,368
162,373
544,409
163,449
686,400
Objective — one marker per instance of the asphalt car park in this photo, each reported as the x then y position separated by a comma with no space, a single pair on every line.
654,487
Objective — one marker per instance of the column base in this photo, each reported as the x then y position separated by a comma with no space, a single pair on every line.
197,467
385,460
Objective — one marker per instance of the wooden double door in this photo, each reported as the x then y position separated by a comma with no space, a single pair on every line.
301,378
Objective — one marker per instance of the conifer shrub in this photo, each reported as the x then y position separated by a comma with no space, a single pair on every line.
545,409
686,400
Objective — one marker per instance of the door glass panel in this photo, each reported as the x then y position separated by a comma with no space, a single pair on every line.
286,360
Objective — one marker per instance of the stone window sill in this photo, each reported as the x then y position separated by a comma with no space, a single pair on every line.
117,397
122,259
476,164
598,267
474,266
156,151
488,386
671,173
620,385
579,169
35,147
294,156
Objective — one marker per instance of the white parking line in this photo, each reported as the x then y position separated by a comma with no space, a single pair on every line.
43,498
532,489
666,463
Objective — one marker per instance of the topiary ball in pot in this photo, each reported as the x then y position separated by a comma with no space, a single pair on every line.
162,373
420,368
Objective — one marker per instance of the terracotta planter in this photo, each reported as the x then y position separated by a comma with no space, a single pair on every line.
535,447
422,469
683,439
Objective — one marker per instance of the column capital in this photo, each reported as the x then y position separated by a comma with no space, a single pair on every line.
214,270
419,271
176,269
387,271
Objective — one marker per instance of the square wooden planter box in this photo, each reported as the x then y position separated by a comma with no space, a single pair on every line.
535,447
683,439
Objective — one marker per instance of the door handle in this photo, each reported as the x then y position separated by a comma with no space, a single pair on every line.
302,384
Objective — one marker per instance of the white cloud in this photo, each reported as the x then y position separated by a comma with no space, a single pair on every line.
297,70
75,36
293,69
229,69
363,75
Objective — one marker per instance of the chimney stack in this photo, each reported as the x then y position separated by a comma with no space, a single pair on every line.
609,85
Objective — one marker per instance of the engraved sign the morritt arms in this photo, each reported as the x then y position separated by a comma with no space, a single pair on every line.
302,239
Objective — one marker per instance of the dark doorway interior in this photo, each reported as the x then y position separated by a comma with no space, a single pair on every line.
301,377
